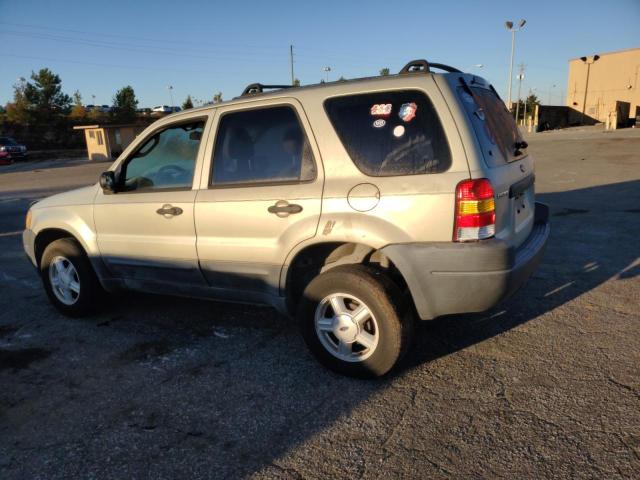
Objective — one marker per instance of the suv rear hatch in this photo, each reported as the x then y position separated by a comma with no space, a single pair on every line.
511,169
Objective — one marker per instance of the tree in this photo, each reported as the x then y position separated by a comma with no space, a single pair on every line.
188,103
342,79
44,96
532,100
384,71
296,82
18,111
77,110
217,98
125,104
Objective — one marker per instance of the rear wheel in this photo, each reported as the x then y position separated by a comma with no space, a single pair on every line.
69,279
354,321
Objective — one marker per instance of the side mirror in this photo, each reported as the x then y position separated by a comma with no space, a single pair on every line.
108,181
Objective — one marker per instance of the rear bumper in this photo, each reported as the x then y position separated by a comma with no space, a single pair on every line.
447,278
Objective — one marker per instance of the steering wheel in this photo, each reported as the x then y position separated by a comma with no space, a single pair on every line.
172,170
170,175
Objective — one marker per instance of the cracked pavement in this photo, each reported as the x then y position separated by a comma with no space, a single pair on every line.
545,385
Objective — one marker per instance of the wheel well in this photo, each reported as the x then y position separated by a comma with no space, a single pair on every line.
318,258
45,237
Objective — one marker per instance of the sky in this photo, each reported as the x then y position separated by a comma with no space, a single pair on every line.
202,47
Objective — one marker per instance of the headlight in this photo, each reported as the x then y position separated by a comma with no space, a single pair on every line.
3,149
27,221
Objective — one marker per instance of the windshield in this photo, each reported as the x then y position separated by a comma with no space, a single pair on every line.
494,125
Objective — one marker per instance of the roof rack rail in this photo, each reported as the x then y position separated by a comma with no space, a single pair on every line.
255,88
422,66
416,66
446,68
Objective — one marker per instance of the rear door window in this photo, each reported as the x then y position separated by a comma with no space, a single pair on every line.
262,146
390,133
493,124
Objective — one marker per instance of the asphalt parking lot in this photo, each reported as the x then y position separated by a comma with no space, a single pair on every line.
545,385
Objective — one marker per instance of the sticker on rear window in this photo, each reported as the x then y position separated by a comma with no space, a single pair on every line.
381,109
408,111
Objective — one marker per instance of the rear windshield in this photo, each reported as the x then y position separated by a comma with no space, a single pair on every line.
390,133
493,124
7,141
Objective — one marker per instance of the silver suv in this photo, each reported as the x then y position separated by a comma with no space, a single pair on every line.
356,206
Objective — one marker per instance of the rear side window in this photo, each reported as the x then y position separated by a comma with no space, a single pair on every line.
390,133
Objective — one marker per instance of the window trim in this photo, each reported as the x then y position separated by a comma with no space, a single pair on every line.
122,166
390,90
211,185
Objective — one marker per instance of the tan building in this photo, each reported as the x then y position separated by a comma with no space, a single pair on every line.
106,142
613,90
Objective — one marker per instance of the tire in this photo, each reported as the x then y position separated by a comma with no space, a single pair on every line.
83,285
334,340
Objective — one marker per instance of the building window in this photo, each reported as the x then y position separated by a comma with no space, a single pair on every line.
99,137
92,134
117,135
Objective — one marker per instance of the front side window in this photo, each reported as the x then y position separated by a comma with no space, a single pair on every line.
390,133
166,160
266,145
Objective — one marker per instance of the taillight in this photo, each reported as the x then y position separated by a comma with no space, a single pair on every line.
475,214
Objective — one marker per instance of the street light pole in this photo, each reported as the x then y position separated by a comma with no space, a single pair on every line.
509,26
520,77
170,87
594,59
326,71
293,80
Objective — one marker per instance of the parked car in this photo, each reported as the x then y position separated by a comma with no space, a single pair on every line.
162,109
11,150
355,206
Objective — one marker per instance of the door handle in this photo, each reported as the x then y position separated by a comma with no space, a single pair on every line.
169,210
282,208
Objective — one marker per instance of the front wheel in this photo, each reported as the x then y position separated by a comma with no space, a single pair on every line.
69,279
353,319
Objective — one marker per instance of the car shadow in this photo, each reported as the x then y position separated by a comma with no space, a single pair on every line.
594,237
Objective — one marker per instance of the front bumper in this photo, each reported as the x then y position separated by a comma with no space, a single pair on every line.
446,278
28,243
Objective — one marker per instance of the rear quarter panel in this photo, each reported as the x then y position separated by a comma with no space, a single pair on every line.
411,208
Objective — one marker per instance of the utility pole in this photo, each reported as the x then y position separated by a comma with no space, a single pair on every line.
520,77
594,59
293,80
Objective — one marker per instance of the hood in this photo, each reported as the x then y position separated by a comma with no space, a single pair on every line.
79,196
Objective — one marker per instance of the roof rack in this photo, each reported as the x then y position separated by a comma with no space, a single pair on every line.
422,66
255,88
